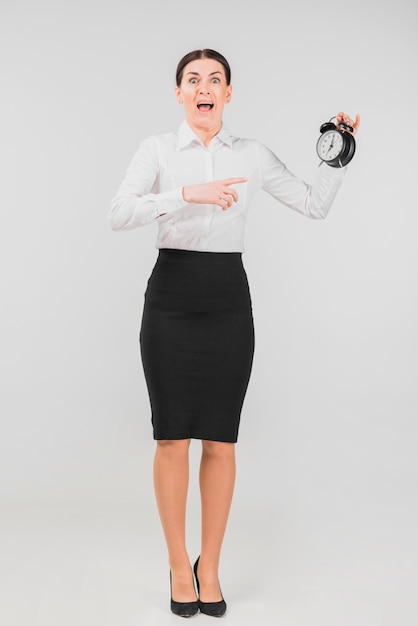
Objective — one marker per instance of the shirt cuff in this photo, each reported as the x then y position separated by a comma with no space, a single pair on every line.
170,201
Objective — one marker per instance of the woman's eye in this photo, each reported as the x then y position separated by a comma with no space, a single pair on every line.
193,81
216,80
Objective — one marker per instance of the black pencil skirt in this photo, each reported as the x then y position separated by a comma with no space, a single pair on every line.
197,344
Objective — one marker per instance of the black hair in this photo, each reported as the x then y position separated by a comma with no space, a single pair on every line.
206,53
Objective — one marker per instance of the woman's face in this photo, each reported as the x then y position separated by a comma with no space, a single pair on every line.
204,92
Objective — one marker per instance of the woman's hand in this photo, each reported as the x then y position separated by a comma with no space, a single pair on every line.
218,192
345,119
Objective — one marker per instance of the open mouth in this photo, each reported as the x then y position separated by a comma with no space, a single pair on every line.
205,106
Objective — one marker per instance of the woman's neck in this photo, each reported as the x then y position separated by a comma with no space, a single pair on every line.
205,134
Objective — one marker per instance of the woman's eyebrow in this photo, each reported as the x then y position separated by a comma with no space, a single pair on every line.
197,73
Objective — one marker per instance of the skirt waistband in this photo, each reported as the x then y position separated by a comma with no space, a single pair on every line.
179,253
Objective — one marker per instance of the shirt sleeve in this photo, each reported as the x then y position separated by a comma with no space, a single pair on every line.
136,203
315,200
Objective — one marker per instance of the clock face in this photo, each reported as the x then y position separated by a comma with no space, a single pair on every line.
329,145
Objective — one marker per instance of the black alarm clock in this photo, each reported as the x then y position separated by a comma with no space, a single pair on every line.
336,145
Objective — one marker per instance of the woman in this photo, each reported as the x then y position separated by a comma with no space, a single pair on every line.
197,336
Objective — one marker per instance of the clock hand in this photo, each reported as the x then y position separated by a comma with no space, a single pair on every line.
331,145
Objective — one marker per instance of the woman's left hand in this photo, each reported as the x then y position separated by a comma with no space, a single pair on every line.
346,119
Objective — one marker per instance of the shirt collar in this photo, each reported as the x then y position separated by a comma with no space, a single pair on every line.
187,136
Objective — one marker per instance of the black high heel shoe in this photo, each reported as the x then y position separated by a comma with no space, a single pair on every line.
183,609
214,609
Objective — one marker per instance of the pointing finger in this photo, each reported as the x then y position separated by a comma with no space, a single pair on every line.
234,181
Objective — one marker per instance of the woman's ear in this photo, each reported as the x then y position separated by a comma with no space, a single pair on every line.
228,94
178,95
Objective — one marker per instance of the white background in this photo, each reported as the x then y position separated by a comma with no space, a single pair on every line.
323,526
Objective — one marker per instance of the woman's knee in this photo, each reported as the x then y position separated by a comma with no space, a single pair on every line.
219,449
173,446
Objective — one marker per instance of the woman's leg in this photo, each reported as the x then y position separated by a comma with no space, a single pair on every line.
171,480
217,478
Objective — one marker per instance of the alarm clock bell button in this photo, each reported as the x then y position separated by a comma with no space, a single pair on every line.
343,126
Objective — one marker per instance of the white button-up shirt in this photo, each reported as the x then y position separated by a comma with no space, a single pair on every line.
152,189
